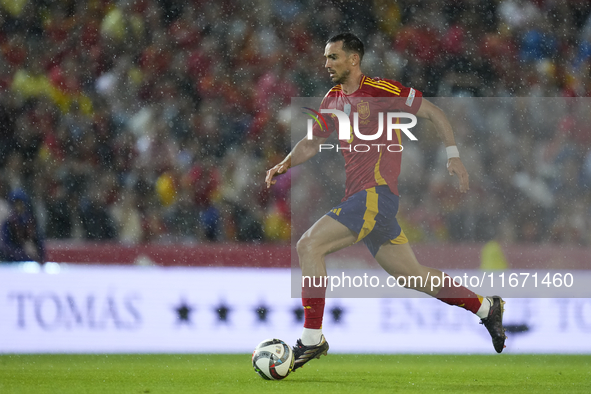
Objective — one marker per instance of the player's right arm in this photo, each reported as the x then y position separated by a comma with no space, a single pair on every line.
303,151
455,166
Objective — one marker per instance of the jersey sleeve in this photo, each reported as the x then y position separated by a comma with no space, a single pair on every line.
410,99
326,122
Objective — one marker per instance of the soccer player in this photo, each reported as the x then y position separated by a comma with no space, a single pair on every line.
368,211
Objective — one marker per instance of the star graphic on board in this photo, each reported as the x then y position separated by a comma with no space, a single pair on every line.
262,313
183,312
337,313
298,312
223,312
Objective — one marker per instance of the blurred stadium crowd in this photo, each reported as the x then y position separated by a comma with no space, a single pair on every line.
155,120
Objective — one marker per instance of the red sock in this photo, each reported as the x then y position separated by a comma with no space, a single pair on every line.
313,301
459,296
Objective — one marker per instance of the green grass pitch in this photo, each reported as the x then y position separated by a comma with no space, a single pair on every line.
336,373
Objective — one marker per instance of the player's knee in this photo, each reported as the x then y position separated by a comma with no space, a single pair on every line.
306,246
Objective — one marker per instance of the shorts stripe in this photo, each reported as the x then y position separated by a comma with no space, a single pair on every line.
371,211
399,240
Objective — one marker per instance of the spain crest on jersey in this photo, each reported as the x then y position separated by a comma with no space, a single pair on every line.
363,109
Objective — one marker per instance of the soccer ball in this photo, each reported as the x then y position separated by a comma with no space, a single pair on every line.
273,359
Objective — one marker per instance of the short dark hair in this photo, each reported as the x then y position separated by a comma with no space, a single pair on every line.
351,43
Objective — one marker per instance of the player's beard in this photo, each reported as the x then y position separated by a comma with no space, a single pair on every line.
343,77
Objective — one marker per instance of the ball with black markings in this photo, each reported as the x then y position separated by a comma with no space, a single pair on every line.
273,359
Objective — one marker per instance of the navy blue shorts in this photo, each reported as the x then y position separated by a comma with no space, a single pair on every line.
371,214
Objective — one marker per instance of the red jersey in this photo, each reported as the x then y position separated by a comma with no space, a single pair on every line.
380,164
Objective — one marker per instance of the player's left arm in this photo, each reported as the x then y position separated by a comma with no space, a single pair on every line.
430,111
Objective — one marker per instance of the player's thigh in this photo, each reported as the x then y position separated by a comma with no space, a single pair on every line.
325,236
400,260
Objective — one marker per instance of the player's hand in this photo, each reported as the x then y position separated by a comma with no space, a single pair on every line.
456,167
279,169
